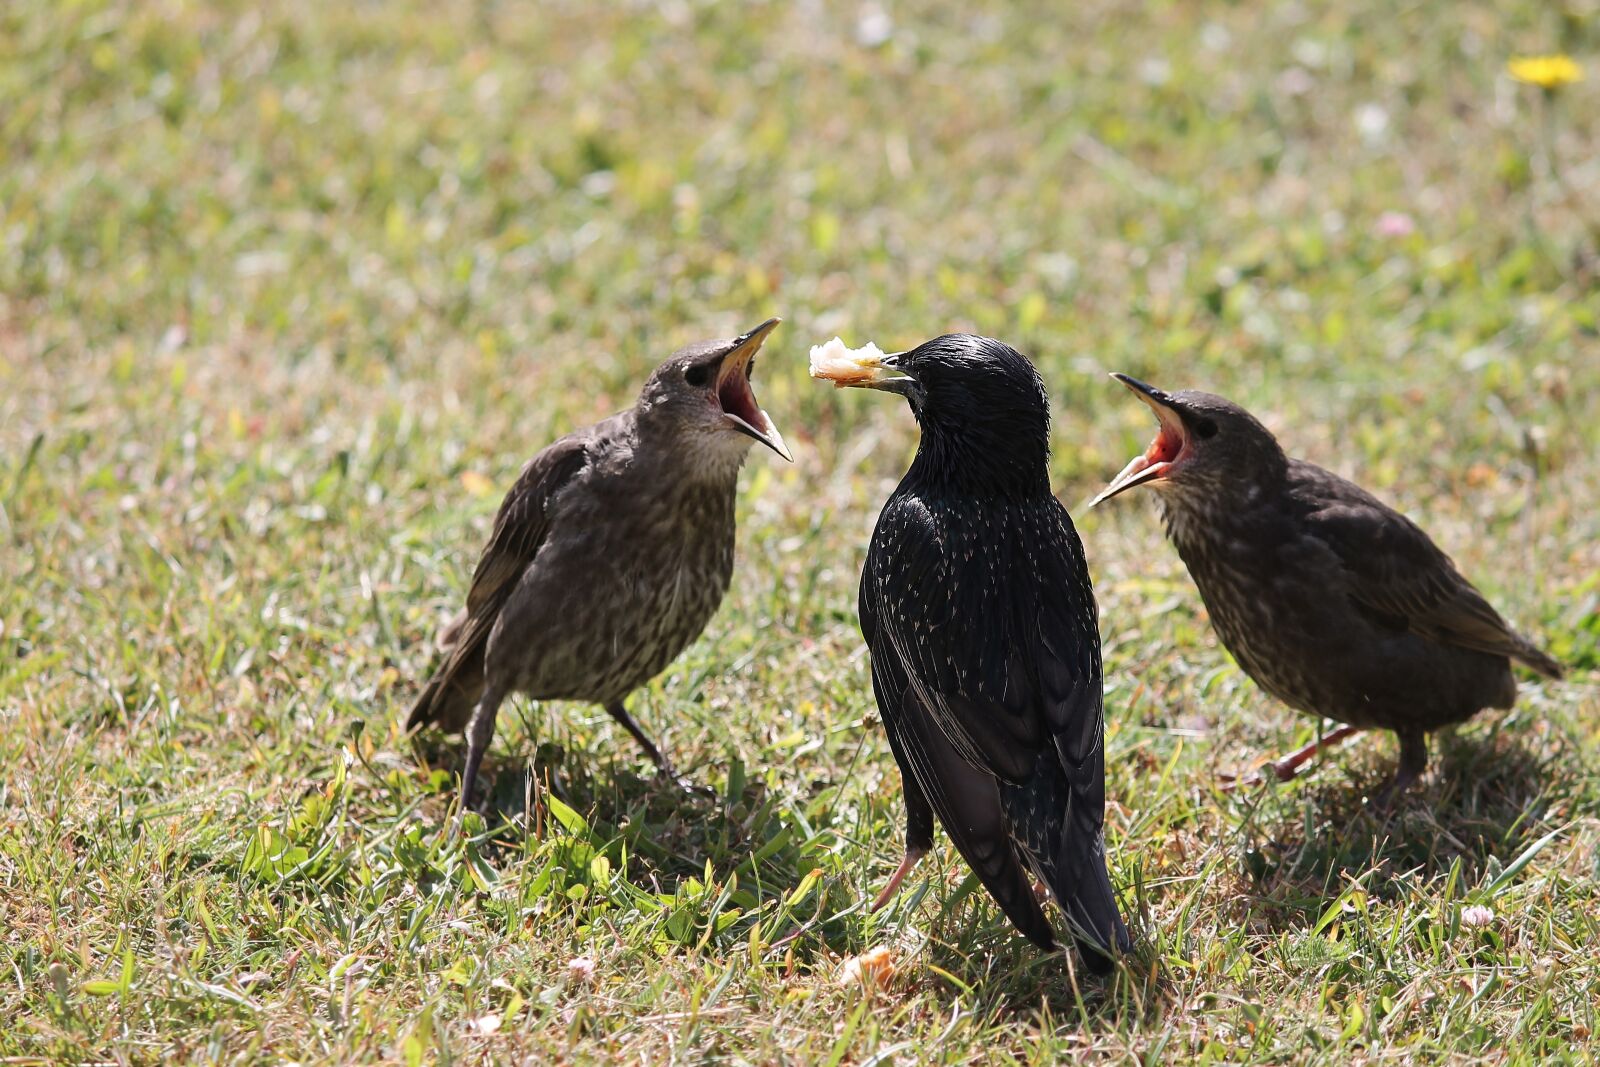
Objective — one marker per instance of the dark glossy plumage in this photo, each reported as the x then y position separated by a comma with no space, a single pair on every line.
609,555
1332,601
977,607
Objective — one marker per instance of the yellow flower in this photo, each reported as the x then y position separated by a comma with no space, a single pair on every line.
1547,72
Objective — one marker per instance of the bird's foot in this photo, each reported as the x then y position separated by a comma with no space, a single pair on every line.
912,858
474,798
1248,780
668,778
1413,761
464,807
1279,770
1288,767
1388,795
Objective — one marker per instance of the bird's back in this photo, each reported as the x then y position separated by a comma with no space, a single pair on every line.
1340,606
981,620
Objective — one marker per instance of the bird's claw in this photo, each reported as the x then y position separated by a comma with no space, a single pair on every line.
1281,770
1386,798
684,784
1249,780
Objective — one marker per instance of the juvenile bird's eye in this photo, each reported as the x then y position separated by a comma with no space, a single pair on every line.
697,375
1206,429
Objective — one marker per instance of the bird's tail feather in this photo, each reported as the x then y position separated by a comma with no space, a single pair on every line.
1006,878
449,698
1065,847
1536,659
972,809
1082,885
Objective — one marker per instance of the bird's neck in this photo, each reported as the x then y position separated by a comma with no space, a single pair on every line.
982,466
1202,516
720,464
709,457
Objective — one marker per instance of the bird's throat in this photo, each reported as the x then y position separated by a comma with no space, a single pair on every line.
983,465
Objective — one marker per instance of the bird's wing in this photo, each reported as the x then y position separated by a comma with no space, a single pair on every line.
987,664
1394,570
990,626
936,772
521,525
519,531
1060,814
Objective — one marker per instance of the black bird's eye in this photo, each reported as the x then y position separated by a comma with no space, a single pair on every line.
1205,429
697,375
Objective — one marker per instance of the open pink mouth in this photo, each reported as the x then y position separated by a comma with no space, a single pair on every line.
1166,448
737,398
1157,461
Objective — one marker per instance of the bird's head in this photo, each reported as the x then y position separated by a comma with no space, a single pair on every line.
701,396
983,409
1206,448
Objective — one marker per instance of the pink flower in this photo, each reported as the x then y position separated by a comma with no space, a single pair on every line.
1395,224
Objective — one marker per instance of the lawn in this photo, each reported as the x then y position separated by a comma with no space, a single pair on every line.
288,293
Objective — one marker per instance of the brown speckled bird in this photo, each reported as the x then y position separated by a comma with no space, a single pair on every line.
1332,601
609,555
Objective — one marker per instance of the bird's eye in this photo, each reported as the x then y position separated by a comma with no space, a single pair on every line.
697,375
1205,429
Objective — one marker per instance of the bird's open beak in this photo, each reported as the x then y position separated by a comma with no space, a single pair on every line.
738,400
1158,459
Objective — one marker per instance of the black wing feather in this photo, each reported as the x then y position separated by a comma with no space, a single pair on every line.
936,776
990,684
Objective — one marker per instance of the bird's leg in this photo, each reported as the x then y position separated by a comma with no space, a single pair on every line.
1286,768
919,838
664,768
913,857
480,731
1289,766
1413,761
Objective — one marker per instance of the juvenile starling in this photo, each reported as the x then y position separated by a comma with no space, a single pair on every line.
609,555
976,605
1333,602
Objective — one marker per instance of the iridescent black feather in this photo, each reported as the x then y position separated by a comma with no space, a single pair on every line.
977,607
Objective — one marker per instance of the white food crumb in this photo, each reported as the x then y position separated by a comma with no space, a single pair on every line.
874,967
838,362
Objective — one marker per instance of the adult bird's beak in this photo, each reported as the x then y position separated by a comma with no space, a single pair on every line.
738,400
865,368
1157,460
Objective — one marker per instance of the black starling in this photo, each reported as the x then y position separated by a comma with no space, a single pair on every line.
1333,602
609,555
976,605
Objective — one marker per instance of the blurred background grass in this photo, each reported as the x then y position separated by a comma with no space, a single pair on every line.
288,292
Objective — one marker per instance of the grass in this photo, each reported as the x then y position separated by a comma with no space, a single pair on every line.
288,292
